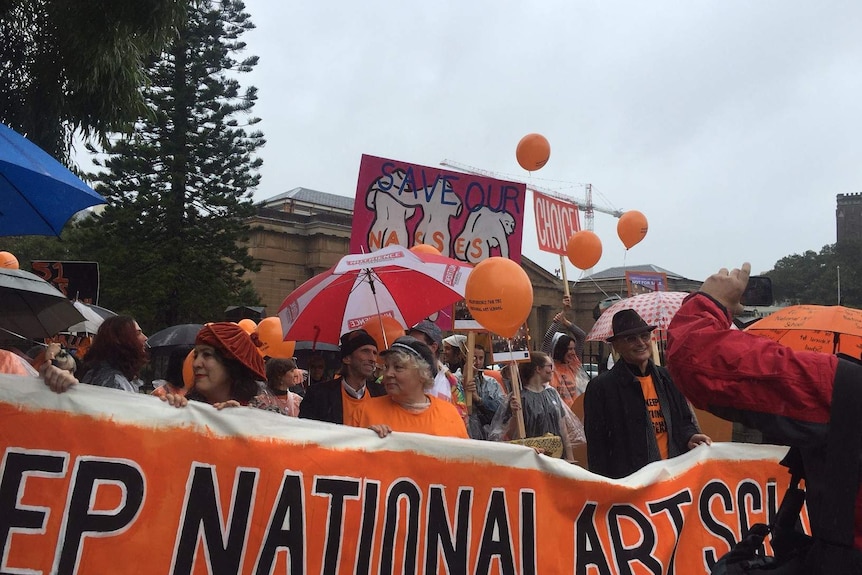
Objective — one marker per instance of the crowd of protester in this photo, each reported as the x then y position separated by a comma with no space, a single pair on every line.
420,384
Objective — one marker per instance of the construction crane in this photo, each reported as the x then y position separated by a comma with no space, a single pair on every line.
586,205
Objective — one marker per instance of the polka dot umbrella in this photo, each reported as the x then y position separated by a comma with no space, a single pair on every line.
656,308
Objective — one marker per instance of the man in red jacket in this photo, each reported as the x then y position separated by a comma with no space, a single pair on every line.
743,377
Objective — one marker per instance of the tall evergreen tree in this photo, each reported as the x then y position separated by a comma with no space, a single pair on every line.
179,188
78,65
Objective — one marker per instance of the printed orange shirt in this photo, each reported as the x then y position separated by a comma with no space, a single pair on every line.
654,409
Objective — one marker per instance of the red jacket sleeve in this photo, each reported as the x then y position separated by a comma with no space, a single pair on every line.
726,370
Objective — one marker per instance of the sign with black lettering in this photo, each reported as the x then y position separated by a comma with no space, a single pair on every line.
465,217
98,481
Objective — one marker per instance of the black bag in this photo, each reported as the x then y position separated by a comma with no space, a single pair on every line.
830,551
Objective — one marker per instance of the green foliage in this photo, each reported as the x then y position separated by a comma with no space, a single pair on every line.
812,278
78,65
179,187
29,248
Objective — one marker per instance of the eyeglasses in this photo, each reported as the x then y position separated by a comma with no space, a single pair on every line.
644,337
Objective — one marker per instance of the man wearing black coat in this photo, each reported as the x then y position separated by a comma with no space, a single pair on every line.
633,413
335,400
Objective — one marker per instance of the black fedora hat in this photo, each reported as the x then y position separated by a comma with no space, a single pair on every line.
628,322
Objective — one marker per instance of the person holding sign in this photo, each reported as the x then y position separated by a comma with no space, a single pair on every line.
564,342
486,396
543,409
633,413
407,406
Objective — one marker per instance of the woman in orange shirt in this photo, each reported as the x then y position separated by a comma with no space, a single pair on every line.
407,377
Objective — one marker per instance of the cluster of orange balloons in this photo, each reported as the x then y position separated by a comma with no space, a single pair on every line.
8,261
271,338
533,152
499,295
585,248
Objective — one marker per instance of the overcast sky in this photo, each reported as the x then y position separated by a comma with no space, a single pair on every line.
731,124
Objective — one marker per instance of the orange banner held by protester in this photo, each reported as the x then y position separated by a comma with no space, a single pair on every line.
100,481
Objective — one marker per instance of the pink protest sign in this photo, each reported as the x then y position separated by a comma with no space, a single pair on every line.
466,217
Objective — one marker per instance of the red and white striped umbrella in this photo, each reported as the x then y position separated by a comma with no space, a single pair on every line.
392,281
656,308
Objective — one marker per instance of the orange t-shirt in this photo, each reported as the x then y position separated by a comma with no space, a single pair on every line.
349,404
440,418
654,410
565,380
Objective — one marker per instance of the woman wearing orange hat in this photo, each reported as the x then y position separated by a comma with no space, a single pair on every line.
226,366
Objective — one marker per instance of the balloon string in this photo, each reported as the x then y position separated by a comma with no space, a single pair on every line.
623,279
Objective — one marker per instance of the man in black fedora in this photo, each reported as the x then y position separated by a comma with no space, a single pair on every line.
633,413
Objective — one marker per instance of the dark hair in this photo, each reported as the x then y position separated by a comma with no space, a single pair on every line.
562,348
243,384
527,369
316,356
117,344
174,370
276,367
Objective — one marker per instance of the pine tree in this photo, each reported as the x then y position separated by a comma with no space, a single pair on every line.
170,242
77,65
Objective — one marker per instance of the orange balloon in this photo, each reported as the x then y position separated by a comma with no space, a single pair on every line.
425,249
499,295
533,152
379,325
189,371
8,261
247,325
584,249
271,338
632,228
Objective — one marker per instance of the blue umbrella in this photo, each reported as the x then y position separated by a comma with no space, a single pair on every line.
38,194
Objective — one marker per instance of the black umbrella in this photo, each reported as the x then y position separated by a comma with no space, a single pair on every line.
183,334
33,308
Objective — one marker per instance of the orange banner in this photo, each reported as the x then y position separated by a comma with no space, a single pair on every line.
101,481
